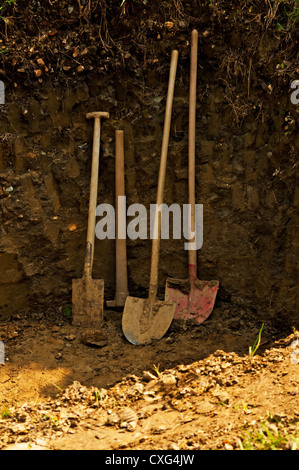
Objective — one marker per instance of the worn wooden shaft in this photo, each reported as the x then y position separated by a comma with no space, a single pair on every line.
191,145
121,243
161,181
89,254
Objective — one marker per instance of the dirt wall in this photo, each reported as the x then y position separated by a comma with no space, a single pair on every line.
246,146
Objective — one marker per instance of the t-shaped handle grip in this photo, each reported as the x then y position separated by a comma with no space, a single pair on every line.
98,114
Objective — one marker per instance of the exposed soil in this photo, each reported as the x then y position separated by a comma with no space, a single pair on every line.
197,387
71,59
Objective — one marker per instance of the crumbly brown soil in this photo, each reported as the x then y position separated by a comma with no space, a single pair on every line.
196,388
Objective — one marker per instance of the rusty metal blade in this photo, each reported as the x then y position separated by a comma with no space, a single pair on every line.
193,301
87,302
143,322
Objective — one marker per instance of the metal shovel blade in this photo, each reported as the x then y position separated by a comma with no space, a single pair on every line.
87,302
193,301
143,322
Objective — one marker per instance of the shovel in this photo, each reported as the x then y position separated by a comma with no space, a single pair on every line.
88,293
121,247
145,320
194,298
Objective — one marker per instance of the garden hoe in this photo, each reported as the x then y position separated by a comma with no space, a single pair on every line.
194,298
145,320
121,245
88,293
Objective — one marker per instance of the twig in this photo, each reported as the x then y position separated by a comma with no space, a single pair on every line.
249,73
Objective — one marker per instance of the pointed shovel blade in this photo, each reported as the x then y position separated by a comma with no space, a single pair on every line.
143,323
193,302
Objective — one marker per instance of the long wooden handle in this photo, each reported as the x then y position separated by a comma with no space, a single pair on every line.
191,148
89,254
161,181
121,244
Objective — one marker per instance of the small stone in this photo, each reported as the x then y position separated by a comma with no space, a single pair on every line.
168,381
169,340
112,419
80,68
174,446
94,338
128,419
40,62
169,24
219,353
22,417
70,337
159,429
38,73
222,396
228,447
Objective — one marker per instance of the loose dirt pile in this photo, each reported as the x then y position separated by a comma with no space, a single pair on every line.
197,388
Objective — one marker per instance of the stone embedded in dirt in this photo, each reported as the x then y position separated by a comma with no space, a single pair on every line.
135,390
219,353
94,338
112,419
169,340
205,408
169,24
168,381
221,395
70,337
40,62
128,419
185,391
159,429
80,68
38,73
173,446
125,418
22,417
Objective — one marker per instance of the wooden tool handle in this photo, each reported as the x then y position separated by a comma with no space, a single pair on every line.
121,244
88,264
161,181
191,149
